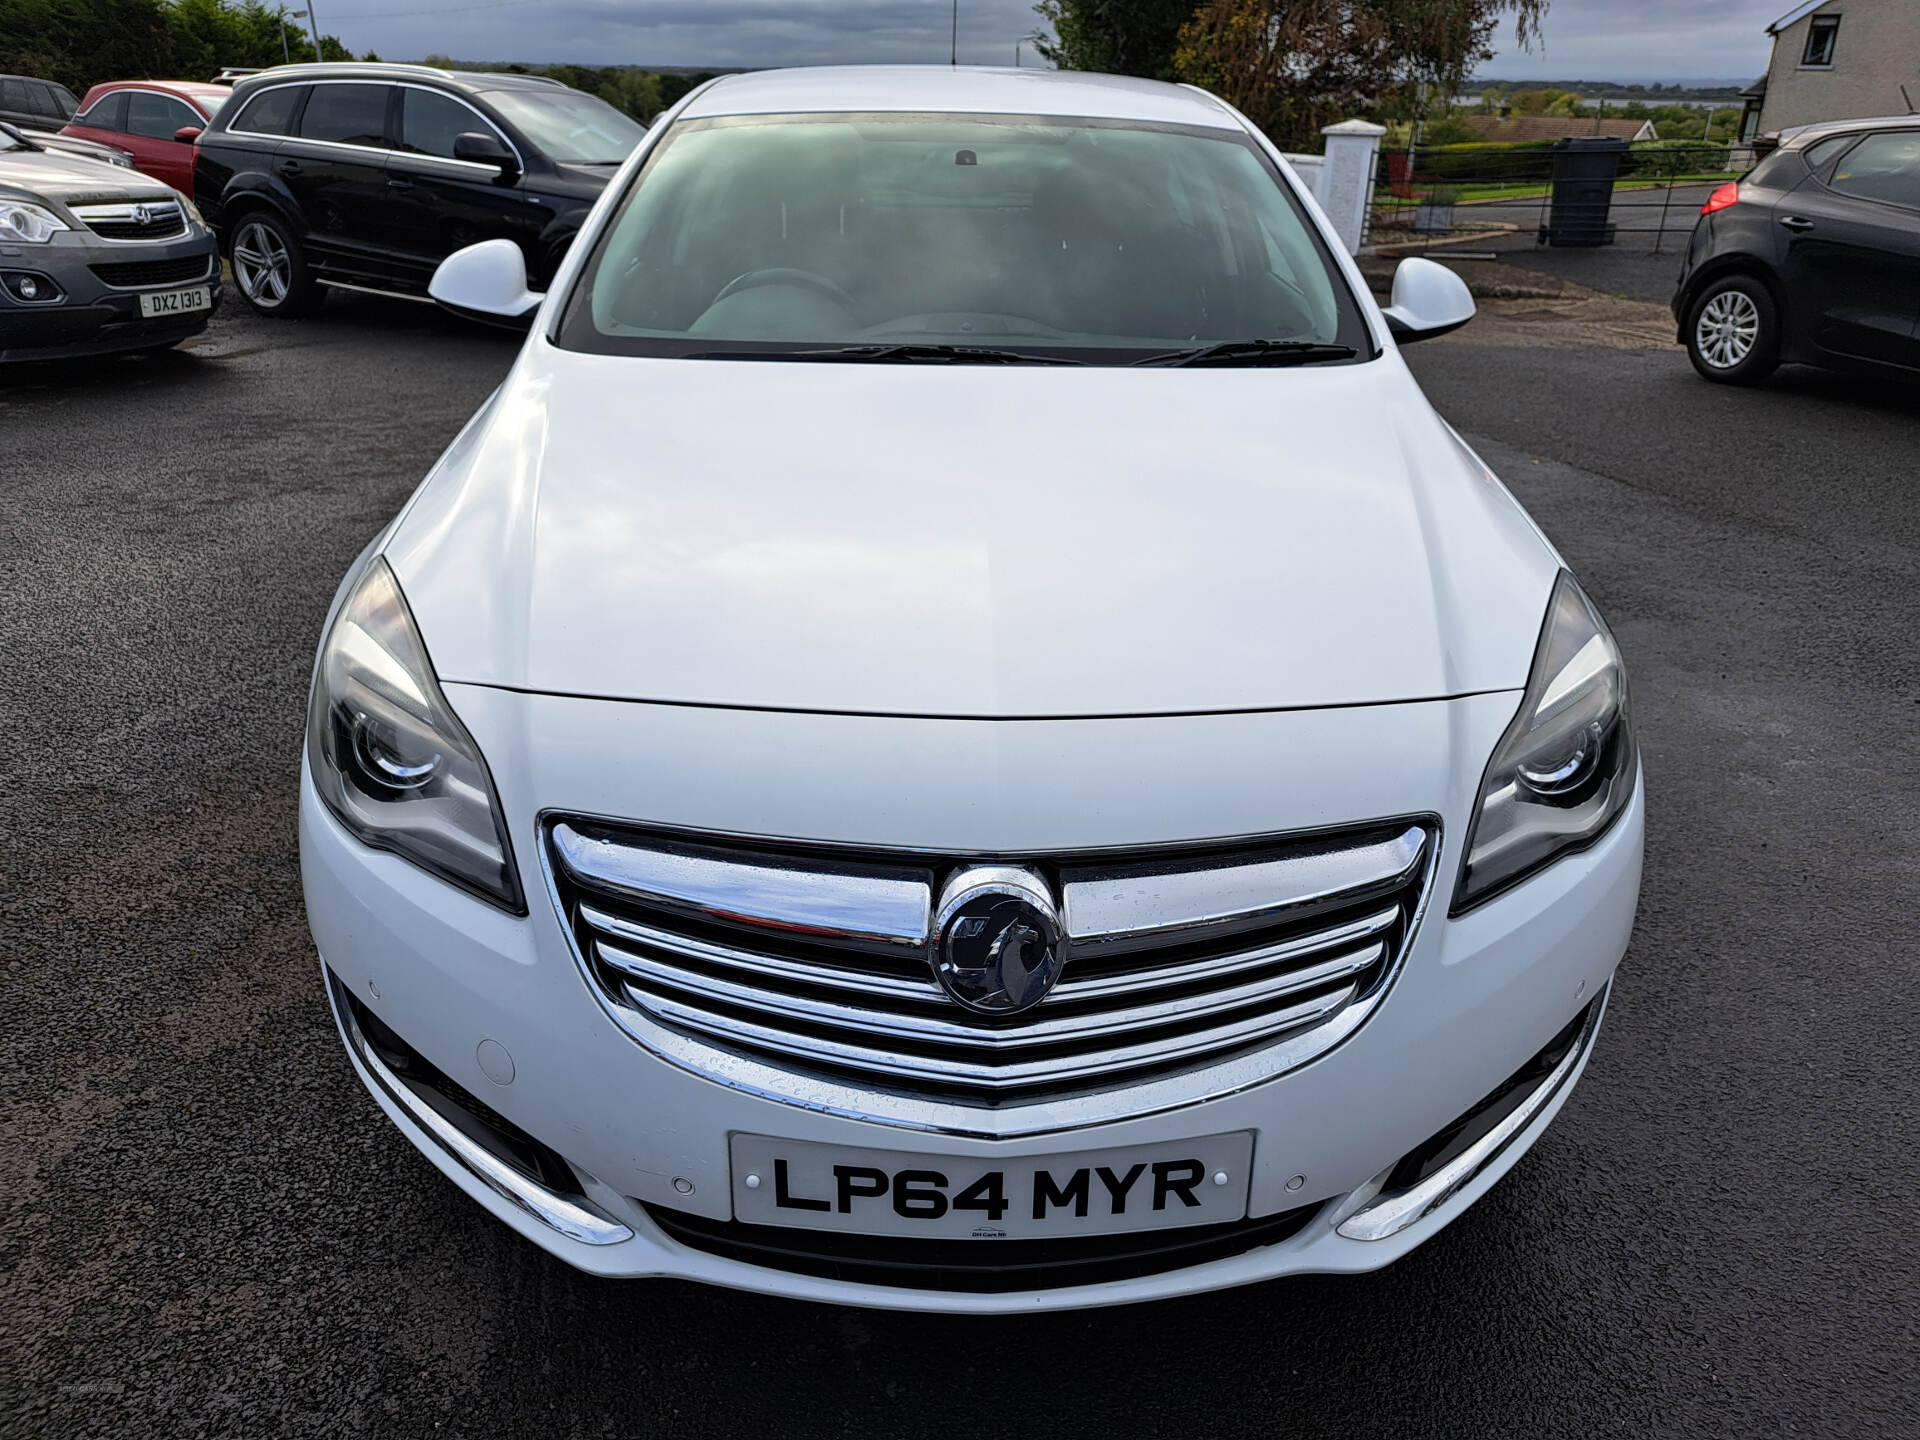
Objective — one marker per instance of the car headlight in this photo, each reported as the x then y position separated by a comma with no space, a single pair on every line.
1565,769
25,224
391,759
192,210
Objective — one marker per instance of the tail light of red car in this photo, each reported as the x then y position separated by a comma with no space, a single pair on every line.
1728,194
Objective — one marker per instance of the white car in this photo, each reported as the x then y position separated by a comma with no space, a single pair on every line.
958,735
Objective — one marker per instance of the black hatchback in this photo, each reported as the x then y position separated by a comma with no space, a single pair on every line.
1812,257
367,176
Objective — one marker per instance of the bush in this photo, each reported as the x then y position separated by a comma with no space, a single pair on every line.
1486,162
1448,129
1667,159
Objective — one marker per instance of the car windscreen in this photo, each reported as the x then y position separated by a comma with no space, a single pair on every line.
1097,240
569,127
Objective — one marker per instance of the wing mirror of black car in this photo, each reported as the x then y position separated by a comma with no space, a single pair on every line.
478,149
187,134
1428,300
487,282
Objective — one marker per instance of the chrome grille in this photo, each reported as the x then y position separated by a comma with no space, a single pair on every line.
820,965
134,220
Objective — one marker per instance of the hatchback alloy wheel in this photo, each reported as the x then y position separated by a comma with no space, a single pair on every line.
1729,324
1734,338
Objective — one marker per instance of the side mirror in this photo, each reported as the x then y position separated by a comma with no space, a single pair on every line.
187,134
486,282
479,149
1428,300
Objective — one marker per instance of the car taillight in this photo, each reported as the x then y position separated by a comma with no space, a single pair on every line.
1728,194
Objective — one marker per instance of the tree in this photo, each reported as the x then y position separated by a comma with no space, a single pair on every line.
1116,37
1449,129
635,91
1293,66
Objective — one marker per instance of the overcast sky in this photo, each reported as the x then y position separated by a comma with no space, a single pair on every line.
1585,39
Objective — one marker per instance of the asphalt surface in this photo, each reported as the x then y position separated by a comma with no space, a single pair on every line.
206,1226
1636,272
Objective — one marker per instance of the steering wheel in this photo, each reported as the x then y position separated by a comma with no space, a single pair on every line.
780,275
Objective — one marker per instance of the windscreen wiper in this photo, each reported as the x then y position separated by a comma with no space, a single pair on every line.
894,354
1255,352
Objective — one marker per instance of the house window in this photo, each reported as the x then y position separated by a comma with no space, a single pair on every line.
1820,37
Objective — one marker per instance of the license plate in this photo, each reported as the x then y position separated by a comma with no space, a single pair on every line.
950,1197
175,302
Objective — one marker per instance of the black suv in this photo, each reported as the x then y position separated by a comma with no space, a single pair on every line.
366,176
35,104
1813,257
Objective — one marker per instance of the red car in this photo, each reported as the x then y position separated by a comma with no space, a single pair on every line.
155,121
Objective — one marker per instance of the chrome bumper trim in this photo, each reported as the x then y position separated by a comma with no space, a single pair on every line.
1388,1215
549,1207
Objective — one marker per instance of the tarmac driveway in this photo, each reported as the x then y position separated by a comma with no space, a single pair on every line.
206,1226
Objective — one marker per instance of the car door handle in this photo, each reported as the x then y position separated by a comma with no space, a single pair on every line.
1796,222
399,185
288,167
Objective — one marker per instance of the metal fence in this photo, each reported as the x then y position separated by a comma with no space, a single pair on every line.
1462,192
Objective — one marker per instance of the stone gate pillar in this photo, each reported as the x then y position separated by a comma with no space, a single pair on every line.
1346,178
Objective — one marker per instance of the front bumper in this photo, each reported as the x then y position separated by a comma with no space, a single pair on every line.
488,998
93,317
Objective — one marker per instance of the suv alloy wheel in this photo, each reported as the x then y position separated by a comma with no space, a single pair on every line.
270,267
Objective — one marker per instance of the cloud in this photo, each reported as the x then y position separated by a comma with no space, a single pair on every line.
1597,39
693,32
1647,40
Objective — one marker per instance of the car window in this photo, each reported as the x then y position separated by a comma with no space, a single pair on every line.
1821,151
429,121
567,126
69,102
271,112
46,102
13,95
346,114
157,116
1102,238
1882,167
109,112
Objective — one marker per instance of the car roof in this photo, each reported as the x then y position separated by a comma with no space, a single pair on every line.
198,90
393,73
1803,135
962,89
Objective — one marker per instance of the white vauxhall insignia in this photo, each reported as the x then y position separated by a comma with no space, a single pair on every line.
958,735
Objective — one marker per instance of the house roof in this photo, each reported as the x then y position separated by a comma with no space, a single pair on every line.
1798,12
1551,127
1756,91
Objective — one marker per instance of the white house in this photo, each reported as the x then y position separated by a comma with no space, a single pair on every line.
1837,60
